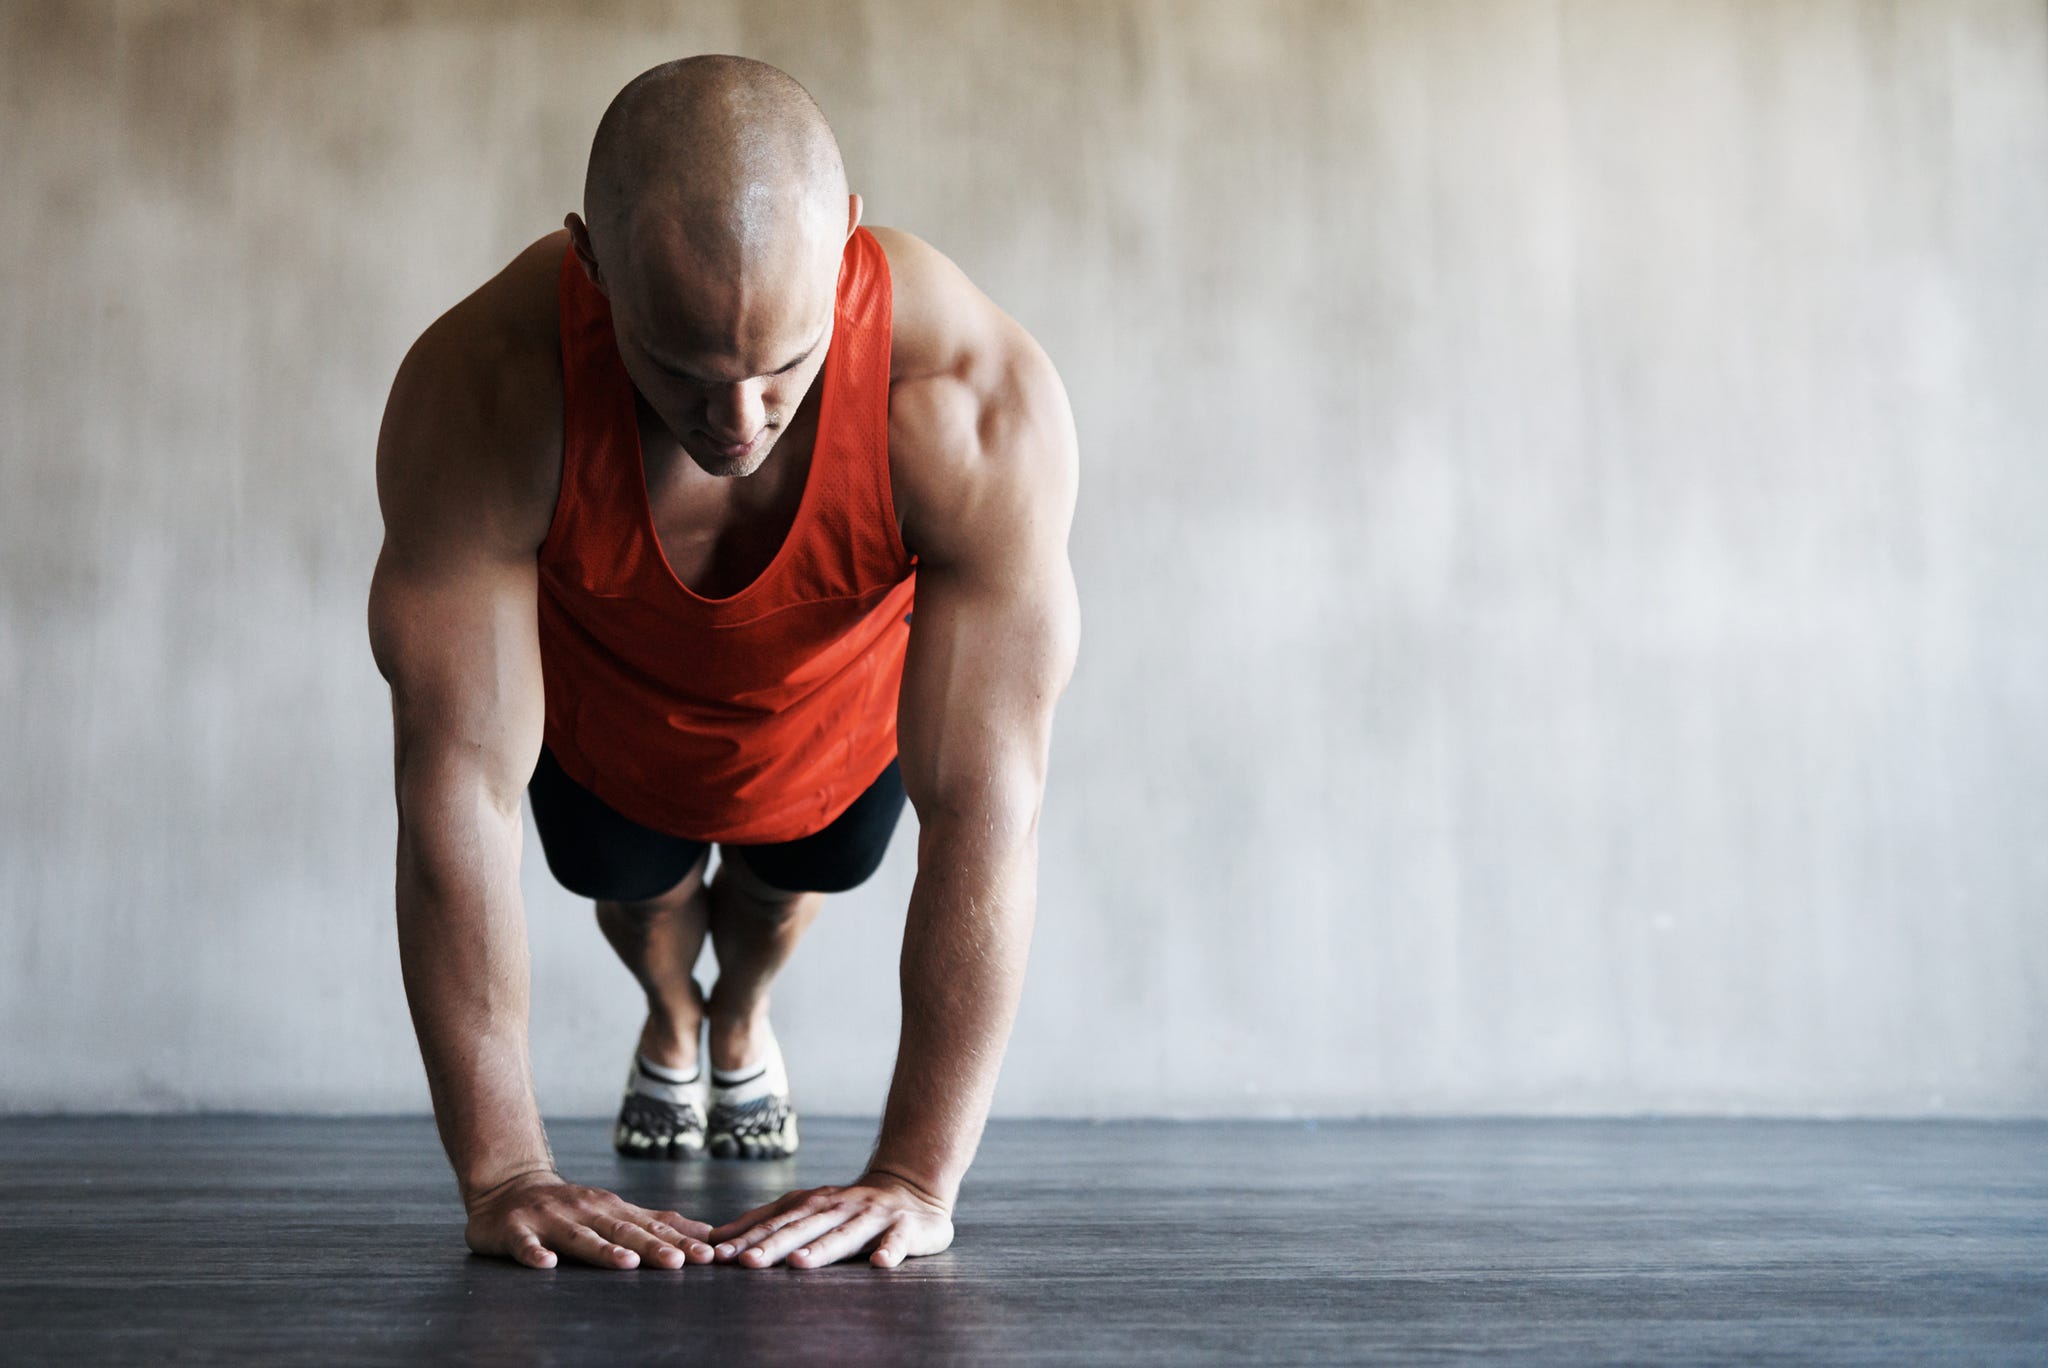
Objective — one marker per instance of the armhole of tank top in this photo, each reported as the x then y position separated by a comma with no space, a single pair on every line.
540,552
562,427
887,292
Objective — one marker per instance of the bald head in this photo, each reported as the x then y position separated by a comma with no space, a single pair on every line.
726,159
716,216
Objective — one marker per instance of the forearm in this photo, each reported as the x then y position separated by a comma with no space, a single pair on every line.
463,954
966,941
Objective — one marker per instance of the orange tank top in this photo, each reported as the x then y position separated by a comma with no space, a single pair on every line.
755,718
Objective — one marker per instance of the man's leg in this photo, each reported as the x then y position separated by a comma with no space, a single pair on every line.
762,901
666,1111
659,939
756,921
754,928
648,886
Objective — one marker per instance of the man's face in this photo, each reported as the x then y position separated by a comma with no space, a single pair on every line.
724,356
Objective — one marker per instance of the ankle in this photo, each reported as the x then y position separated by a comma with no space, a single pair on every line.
739,1043
663,1042
726,1013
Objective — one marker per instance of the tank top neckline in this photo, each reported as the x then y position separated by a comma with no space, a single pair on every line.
643,503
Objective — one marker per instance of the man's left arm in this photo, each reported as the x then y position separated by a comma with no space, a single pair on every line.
992,646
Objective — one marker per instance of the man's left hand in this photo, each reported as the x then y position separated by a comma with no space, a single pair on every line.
878,1214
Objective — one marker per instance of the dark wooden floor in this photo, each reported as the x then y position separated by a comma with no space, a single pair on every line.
283,1240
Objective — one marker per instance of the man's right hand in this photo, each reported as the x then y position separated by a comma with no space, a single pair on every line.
537,1216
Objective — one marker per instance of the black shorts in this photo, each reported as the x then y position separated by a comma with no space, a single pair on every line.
594,851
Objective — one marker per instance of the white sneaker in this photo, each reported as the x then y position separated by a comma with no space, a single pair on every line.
751,1116
663,1116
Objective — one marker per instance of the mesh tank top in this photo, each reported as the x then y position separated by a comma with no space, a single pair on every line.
755,718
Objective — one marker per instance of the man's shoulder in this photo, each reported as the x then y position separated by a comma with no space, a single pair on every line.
503,340
978,419
479,396
938,316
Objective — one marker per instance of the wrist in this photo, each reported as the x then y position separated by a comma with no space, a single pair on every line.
502,1176
924,1187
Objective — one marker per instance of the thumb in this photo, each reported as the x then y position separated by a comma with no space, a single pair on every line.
525,1247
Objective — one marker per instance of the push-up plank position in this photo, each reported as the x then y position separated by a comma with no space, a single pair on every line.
656,499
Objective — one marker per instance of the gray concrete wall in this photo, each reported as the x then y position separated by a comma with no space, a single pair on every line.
1564,513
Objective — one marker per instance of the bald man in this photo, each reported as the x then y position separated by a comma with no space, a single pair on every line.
657,498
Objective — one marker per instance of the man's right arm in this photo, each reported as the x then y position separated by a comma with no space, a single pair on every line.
453,629
467,483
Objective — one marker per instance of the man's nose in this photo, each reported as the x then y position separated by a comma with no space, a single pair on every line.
735,413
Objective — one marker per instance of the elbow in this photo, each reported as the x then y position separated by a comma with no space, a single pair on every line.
999,809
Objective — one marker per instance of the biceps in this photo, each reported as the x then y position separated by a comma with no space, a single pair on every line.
984,670
462,655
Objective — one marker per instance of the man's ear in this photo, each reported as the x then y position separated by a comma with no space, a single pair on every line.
853,207
586,253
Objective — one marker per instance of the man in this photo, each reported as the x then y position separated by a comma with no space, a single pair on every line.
656,500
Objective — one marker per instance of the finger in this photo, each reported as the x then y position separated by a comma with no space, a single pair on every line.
673,1228
835,1245
741,1223
527,1249
894,1246
796,1232
751,1235
651,1248
694,1230
747,1220
677,1231
581,1242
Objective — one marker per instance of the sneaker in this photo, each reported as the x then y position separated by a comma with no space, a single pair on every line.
664,1112
751,1116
